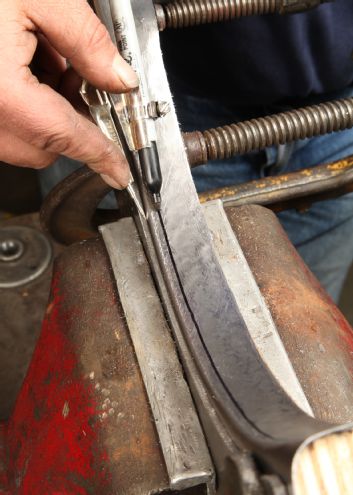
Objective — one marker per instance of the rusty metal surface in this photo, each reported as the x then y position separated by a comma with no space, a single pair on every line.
289,190
69,213
196,148
317,337
273,130
184,13
68,210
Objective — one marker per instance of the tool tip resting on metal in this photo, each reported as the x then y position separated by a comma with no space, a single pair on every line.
133,195
157,201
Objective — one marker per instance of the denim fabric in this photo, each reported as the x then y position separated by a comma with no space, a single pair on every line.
323,235
266,58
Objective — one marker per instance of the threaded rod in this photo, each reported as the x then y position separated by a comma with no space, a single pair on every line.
256,134
186,13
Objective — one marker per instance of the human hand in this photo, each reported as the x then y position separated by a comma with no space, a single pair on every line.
38,123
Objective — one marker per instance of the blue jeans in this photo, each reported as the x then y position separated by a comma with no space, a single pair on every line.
323,235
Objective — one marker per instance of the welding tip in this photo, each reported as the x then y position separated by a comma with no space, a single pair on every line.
135,199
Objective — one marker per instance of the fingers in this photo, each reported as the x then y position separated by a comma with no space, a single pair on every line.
59,129
40,123
111,182
77,34
17,152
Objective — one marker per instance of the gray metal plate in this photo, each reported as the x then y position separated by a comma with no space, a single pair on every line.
182,441
252,305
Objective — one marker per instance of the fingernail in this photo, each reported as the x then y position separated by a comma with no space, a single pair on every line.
127,75
112,182
125,177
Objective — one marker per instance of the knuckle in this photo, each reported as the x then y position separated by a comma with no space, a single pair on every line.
56,140
87,36
105,157
59,138
96,36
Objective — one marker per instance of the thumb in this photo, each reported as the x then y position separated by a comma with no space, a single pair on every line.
77,34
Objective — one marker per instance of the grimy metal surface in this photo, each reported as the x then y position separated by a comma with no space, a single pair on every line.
281,192
180,435
25,254
215,331
82,422
185,13
21,313
251,303
68,209
317,338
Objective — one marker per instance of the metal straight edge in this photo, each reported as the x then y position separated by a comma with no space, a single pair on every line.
251,303
185,452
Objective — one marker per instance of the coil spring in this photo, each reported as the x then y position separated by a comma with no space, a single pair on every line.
185,13
256,134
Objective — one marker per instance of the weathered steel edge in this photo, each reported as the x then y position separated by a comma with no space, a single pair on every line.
252,305
180,434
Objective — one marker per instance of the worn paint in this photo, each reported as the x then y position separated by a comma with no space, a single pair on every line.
83,400
52,435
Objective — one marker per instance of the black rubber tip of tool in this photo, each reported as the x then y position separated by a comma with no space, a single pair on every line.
151,168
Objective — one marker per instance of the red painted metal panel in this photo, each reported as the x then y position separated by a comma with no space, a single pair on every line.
62,439
51,434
